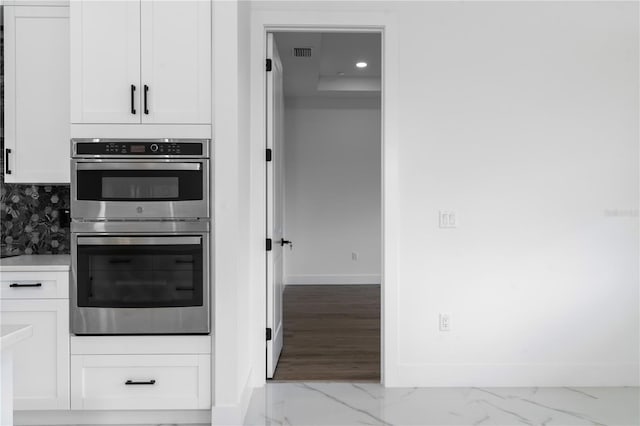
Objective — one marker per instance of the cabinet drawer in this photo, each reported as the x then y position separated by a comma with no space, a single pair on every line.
34,285
154,382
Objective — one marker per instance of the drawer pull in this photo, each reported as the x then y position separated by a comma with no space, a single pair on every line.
116,261
25,285
131,382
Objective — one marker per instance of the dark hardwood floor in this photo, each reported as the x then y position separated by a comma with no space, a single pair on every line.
331,332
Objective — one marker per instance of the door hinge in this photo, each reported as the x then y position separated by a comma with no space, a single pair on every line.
268,64
269,154
269,244
268,334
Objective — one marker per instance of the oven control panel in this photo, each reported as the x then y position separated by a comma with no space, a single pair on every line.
141,148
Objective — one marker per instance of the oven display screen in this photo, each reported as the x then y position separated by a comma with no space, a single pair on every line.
140,187
136,148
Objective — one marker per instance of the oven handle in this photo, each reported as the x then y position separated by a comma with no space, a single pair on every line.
135,241
138,166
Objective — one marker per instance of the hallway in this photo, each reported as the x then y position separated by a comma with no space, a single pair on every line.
332,332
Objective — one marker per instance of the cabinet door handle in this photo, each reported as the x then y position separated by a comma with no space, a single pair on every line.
7,151
133,95
25,285
131,382
146,92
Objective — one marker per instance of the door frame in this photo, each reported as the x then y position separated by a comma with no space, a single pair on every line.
326,19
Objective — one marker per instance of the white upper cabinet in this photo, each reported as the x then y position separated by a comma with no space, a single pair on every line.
176,62
146,62
36,52
105,62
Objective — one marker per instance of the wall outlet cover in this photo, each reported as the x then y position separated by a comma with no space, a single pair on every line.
447,219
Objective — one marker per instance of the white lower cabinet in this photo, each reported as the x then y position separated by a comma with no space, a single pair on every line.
41,363
140,372
130,382
34,285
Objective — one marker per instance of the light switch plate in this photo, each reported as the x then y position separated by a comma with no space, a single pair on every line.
444,322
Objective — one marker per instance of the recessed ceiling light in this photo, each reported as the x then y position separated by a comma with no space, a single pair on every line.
361,64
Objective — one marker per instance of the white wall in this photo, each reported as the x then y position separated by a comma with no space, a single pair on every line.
523,118
332,190
233,323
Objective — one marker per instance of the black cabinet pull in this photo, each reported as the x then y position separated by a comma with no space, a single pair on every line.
112,261
133,95
26,285
184,261
7,151
131,382
146,91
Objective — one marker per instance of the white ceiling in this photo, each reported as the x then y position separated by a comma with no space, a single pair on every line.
331,71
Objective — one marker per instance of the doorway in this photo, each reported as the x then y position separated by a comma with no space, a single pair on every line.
324,203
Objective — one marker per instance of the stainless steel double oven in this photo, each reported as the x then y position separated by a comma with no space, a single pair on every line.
140,234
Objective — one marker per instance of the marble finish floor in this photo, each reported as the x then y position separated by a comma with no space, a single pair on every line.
322,403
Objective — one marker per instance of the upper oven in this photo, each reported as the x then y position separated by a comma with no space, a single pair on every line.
140,179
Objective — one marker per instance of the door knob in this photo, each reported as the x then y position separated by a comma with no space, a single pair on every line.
283,242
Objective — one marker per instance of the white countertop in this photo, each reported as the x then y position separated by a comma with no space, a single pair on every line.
36,262
12,334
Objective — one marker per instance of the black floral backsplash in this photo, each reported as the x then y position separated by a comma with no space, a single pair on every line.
30,214
30,217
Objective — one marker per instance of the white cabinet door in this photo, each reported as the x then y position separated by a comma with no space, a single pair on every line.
105,62
41,363
37,94
176,62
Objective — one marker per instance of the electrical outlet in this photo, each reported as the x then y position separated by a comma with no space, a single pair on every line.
445,322
354,256
447,219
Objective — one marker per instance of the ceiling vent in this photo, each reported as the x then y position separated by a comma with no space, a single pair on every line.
301,52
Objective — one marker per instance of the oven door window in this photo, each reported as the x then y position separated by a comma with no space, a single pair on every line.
147,275
121,184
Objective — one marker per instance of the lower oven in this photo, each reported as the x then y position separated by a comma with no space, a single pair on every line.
143,278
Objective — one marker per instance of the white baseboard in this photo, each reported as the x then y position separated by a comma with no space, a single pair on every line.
348,279
512,375
233,414
111,417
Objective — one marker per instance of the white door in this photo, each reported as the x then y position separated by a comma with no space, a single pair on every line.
41,362
275,192
37,94
105,62
176,62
